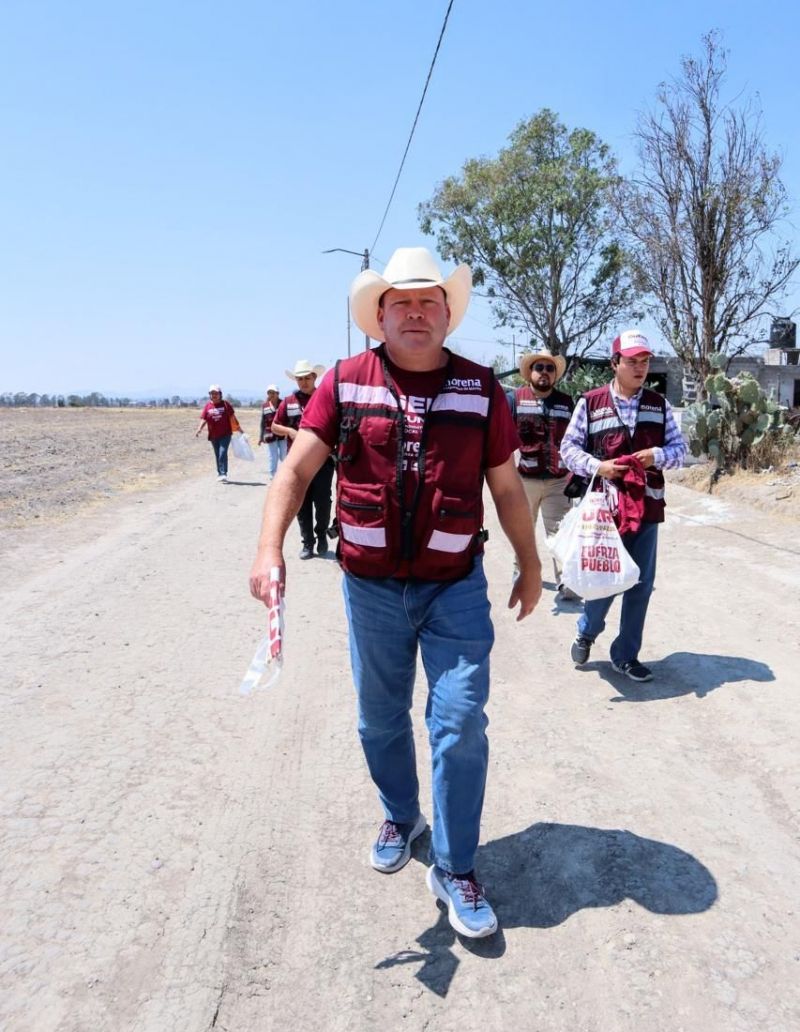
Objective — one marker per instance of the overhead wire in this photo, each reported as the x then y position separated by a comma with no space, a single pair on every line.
414,126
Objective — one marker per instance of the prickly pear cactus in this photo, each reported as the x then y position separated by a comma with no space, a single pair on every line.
737,416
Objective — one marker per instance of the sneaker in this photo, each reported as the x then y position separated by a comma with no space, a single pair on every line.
392,849
322,546
580,649
565,594
306,552
468,910
221,478
634,669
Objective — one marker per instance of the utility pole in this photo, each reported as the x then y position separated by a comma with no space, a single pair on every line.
513,345
364,256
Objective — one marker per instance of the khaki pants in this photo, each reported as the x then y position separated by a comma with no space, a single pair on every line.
547,494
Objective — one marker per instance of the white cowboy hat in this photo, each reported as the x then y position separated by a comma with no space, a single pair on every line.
303,367
409,268
272,387
526,363
214,387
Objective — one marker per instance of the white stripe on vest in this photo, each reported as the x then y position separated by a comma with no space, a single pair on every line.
363,394
441,541
654,492
372,537
596,425
648,416
448,401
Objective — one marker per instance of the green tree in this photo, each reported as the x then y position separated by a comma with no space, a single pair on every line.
537,227
703,212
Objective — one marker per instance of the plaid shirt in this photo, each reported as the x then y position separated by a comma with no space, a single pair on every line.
573,446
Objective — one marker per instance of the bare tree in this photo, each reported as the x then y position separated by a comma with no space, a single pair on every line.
704,212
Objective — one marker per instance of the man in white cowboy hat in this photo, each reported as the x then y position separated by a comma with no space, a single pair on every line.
416,429
542,415
315,511
276,445
612,425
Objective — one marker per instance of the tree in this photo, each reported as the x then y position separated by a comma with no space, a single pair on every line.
703,212
536,225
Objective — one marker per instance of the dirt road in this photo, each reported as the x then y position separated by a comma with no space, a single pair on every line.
177,857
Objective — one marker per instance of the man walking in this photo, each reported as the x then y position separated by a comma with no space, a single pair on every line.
416,430
542,415
612,425
315,511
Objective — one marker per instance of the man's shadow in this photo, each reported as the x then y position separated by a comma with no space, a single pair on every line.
683,673
246,483
540,877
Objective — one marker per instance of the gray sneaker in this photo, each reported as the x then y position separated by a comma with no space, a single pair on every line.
580,650
392,848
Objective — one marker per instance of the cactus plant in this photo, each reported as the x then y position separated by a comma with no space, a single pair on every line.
737,416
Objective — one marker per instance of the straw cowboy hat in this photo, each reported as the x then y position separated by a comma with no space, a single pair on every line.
526,363
303,367
409,268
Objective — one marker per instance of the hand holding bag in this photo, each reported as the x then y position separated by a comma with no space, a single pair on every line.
595,562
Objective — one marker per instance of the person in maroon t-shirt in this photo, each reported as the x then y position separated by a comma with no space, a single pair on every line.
416,430
220,420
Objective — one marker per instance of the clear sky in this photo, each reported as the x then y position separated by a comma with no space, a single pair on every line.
171,171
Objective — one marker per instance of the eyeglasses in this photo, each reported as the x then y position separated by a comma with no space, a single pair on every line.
543,367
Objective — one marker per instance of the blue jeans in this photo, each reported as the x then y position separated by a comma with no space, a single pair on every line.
220,446
276,453
449,622
642,547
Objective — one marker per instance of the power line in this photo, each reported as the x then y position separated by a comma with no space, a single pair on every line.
414,126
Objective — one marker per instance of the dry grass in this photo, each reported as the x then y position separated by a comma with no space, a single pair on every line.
59,462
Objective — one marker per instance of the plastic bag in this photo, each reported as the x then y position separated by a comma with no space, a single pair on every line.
267,663
561,541
241,447
594,562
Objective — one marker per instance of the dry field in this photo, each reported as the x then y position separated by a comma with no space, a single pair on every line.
59,462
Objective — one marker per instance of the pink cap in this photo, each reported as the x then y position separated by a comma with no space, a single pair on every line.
630,343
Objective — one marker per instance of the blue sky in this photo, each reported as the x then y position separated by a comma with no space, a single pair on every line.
172,171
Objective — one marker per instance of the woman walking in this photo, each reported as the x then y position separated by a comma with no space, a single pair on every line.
276,446
219,418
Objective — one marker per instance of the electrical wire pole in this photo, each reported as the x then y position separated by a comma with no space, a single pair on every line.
364,256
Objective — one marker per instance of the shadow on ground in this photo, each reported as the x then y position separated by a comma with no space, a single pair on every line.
684,673
540,877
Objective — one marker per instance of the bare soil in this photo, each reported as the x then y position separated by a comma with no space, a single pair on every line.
60,462
175,857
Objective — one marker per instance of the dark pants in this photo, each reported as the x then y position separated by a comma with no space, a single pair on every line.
317,502
220,446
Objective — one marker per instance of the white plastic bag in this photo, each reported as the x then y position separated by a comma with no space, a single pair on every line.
594,562
560,543
241,447
267,663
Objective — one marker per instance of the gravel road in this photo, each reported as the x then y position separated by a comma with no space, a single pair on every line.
174,856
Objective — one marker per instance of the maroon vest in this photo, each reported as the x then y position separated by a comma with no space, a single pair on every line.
609,438
295,403
541,424
385,529
267,419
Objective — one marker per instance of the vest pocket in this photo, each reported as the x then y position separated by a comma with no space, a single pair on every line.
455,523
362,517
